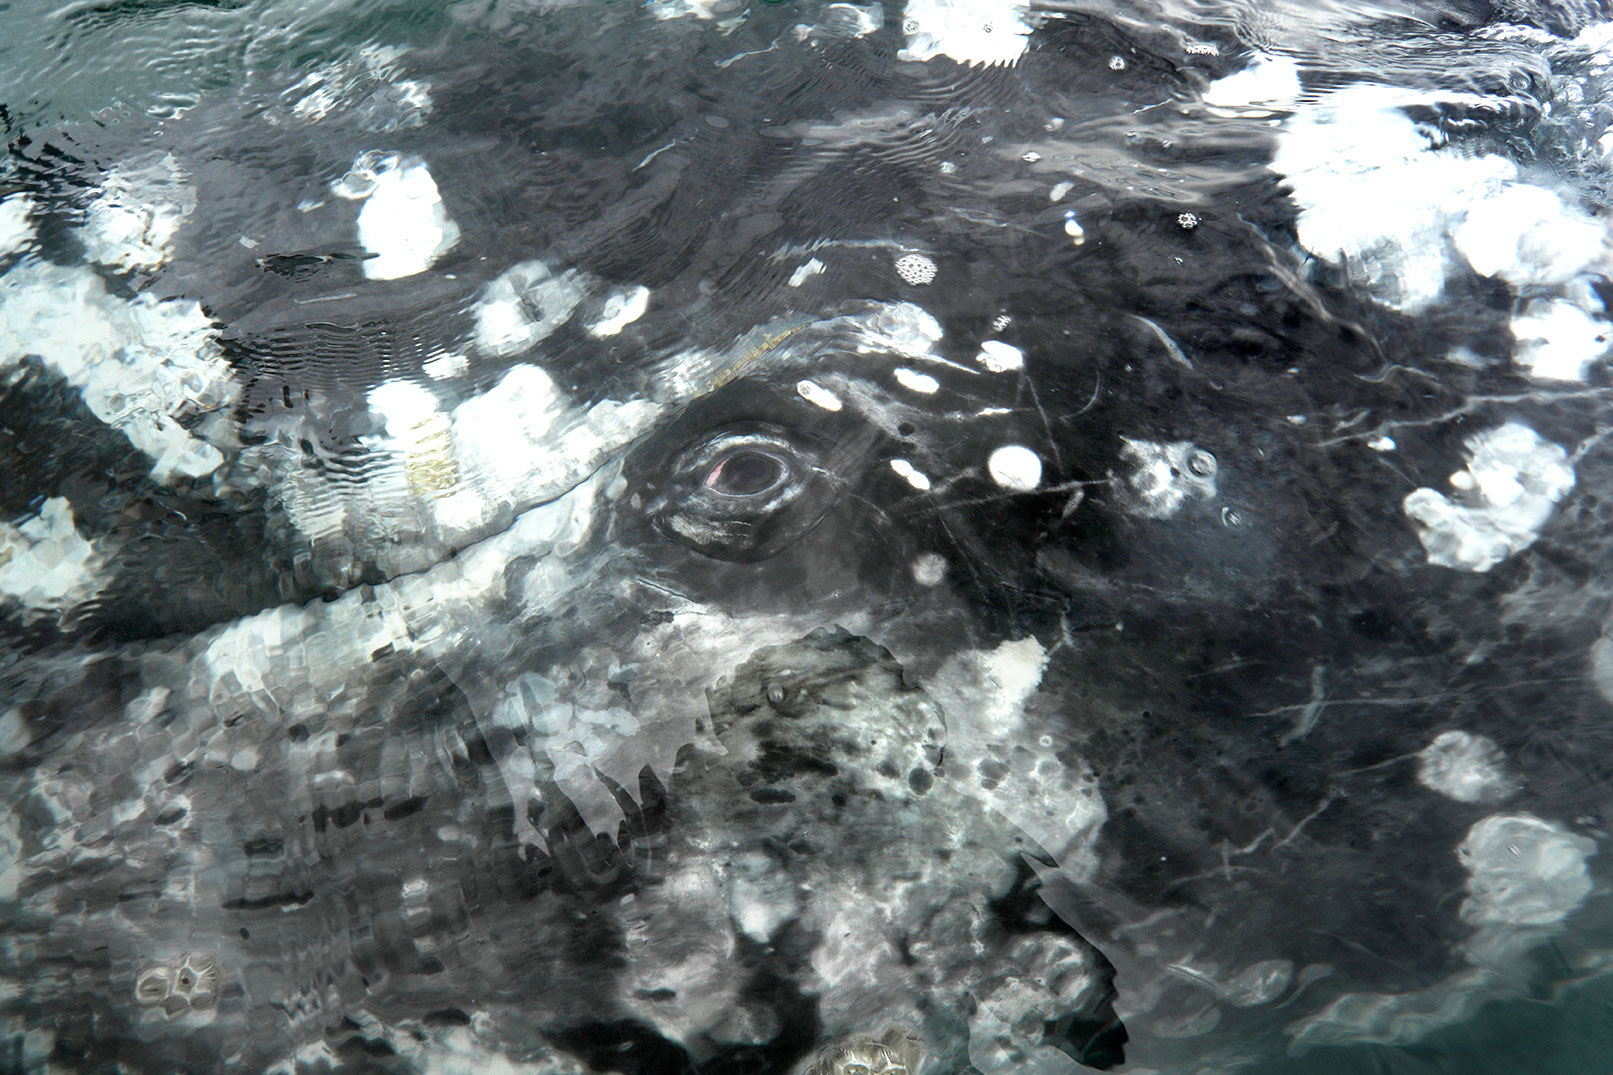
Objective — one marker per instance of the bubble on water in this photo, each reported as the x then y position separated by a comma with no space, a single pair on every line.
915,269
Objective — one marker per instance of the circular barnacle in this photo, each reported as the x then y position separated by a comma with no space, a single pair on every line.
1201,463
153,986
777,694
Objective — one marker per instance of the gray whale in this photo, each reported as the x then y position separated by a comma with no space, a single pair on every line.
705,564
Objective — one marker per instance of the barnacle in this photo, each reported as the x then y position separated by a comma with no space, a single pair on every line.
899,1051
191,983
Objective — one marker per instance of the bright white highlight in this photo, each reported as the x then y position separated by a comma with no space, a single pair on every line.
1015,467
915,477
817,395
621,310
916,382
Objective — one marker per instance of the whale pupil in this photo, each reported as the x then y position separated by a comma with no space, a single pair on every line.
744,474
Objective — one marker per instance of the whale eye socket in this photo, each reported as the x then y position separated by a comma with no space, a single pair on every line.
745,473
744,493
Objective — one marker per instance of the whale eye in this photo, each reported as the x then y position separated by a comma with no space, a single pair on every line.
745,473
744,493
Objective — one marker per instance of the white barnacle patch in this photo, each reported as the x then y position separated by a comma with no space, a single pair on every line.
984,32
1375,196
914,381
1465,767
1268,84
1015,467
140,364
621,310
45,564
930,569
999,357
817,395
525,304
902,329
812,267
1014,771
1558,341
445,366
1167,476
403,224
1525,235
915,269
1503,499
16,227
1524,873
419,433
132,220
913,476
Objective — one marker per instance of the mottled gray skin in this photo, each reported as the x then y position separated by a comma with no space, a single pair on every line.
815,853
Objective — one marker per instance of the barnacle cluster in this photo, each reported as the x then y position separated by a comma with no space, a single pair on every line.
191,982
899,1051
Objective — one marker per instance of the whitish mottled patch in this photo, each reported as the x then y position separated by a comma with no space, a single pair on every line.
1374,196
621,310
1523,873
1166,476
929,569
1558,341
1268,84
915,269
140,364
16,227
403,223
44,563
999,357
132,220
986,32
1468,768
524,305
1016,772
1503,499
805,272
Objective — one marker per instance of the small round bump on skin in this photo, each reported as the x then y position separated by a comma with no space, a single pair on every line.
1015,467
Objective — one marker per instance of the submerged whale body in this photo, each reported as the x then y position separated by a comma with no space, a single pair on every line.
815,537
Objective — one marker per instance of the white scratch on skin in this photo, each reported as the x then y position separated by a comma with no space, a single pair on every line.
754,52
654,154
1313,711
